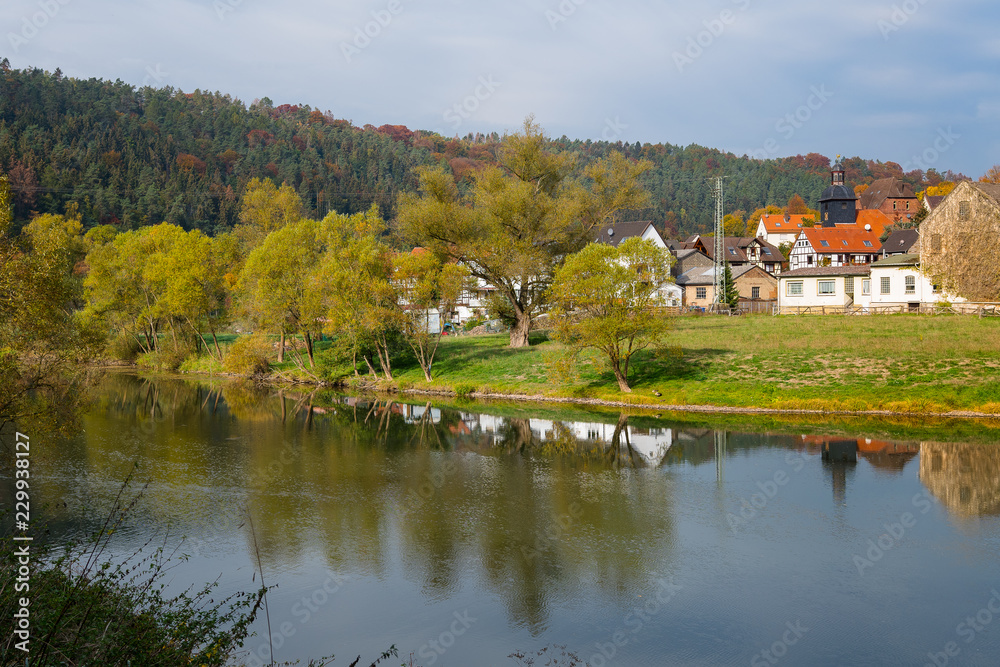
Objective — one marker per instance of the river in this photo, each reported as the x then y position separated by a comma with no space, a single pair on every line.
464,534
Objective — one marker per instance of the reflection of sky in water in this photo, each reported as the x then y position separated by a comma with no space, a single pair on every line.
380,522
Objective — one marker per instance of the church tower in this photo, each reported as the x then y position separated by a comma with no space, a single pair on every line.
837,204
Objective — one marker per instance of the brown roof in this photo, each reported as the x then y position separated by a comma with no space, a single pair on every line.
734,247
931,201
991,190
819,271
886,188
615,233
900,241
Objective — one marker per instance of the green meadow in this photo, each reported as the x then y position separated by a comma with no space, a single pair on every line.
896,363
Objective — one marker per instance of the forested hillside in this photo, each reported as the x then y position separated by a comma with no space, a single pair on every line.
132,156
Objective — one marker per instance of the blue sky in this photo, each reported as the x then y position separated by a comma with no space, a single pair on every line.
912,81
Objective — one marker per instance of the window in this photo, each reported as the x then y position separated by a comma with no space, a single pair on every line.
826,287
849,285
809,260
732,251
793,288
825,244
911,284
964,210
843,205
866,286
936,288
701,292
893,206
907,206
885,285
754,292
767,251
844,241
935,243
868,244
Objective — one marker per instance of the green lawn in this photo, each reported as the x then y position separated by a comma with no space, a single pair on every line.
900,363
903,363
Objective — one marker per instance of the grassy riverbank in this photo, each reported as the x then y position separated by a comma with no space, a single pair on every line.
898,363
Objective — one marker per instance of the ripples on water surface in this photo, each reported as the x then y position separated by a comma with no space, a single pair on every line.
465,534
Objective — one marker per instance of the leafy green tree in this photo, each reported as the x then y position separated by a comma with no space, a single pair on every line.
266,208
278,287
362,303
427,286
610,299
734,225
41,338
522,217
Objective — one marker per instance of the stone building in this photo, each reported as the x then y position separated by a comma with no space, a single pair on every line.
959,239
964,477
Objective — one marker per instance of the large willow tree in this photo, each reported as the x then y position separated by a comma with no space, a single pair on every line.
523,216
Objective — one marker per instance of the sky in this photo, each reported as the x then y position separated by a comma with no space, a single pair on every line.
915,82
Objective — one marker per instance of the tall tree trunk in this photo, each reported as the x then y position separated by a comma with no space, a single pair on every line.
281,348
309,349
215,340
519,332
622,380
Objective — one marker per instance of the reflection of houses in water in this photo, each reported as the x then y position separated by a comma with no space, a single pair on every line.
647,446
840,455
964,477
887,456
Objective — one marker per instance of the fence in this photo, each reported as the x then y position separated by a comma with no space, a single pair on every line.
977,309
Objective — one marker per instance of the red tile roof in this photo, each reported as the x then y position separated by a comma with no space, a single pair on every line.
842,239
877,219
776,223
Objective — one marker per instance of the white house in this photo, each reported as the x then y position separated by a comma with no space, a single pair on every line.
614,234
833,287
778,228
898,281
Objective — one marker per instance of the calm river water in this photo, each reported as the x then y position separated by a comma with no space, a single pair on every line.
463,535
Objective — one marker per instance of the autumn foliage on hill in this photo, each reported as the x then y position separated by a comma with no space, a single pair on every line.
141,156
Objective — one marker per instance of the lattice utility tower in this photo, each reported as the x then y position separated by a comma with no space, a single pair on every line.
720,245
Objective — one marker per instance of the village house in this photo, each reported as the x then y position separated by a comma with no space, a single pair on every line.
753,283
897,281
778,228
834,246
618,232
893,197
756,286
739,251
615,233
687,259
824,288
958,242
